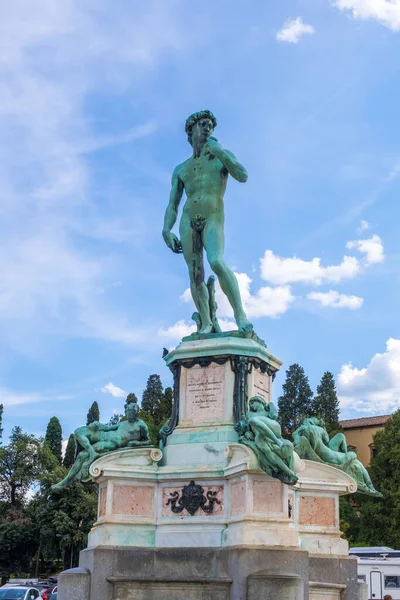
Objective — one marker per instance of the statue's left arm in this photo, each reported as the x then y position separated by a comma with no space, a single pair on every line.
228,159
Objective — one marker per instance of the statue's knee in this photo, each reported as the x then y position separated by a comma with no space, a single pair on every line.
217,265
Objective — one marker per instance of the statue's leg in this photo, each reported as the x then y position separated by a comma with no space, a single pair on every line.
73,473
105,446
194,260
82,436
338,443
213,239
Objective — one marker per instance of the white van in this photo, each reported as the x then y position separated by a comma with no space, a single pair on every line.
382,574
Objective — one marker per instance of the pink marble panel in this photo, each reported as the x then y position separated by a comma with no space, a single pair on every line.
133,500
103,501
317,511
238,497
267,496
217,510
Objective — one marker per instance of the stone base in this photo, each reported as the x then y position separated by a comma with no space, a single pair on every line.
211,574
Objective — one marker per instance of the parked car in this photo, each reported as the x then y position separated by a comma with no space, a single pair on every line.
46,593
18,592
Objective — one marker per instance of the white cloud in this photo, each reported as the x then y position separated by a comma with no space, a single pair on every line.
279,270
333,299
364,225
387,12
293,30
114,390
53,281
372,248
375,388
10,398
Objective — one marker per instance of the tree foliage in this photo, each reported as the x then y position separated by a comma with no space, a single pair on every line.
53,438
20,466
295,404
325,404
152,397
1,421
69,457
93,413
380,517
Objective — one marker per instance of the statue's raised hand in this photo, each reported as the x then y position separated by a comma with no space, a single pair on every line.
214,146
172,242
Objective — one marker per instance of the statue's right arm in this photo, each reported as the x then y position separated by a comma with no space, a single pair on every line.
171,214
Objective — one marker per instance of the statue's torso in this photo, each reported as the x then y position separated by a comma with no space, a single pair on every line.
204,180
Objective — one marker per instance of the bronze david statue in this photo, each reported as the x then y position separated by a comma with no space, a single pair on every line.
203,177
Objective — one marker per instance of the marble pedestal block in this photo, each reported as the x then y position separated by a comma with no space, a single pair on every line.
213,380
198,519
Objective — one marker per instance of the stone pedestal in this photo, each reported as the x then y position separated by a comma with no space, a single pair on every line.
198,519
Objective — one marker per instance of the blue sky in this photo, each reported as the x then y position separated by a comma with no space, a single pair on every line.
93,100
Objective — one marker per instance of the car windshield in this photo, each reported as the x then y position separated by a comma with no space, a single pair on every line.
12,593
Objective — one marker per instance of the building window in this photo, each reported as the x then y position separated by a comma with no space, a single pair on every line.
392,581
373,451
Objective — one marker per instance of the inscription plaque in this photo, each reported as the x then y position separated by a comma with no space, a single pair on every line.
261,385
205,393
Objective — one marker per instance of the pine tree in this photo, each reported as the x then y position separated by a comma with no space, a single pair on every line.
380,516
326,404
69,457
152,396
296,402
93,414
53,438
1,421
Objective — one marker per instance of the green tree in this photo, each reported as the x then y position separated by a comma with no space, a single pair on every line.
18,543
93,414
20,466
295,404
69,457
53,438
380,517
1,421
325,404
165,407
152,397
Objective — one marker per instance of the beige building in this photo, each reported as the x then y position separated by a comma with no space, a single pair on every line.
359,435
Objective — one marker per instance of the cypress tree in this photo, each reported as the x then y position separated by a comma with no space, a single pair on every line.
53,437
152,396
165,408
1,420
295,404
326,404
69,457
93,414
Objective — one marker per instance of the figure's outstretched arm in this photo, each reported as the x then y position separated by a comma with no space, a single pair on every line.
113,427
228,159
171,214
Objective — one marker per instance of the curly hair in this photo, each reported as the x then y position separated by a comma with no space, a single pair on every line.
194,118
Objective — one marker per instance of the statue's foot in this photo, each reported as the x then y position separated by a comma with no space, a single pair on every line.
244,325
206,329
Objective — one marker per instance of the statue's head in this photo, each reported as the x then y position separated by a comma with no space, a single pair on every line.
200,125
131,411
258,404
314,421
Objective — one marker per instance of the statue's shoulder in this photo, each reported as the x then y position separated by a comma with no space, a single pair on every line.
180,169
